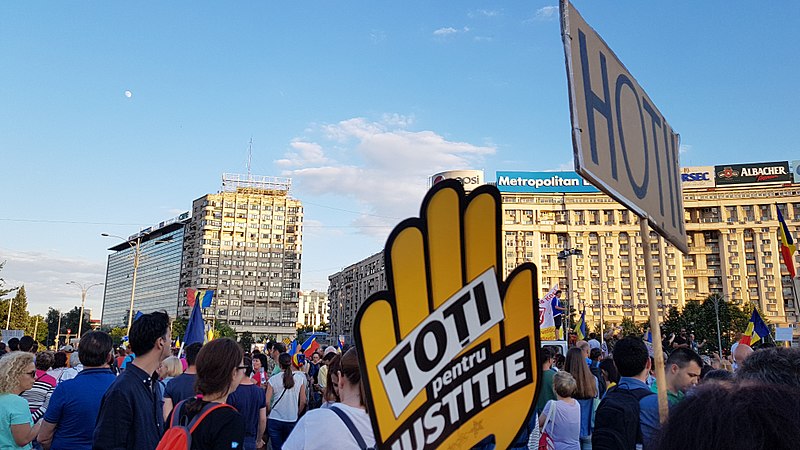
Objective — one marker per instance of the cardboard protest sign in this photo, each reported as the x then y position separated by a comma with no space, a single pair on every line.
547,324
449,351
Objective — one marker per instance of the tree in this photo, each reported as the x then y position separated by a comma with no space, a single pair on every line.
324,327
222,329
117,333
40,330
631,328
19,311
304,329
4,291
700,319
69,321
246,340
179,327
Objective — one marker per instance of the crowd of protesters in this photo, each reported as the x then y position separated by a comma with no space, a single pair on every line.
96,397
600,395
606,398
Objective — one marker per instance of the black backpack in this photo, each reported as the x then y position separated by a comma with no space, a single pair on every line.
616,423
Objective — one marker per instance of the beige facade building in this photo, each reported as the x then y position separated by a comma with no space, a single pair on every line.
313,309
350,288
732,236
245,242
734,251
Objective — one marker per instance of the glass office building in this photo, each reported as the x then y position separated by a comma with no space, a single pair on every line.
158,274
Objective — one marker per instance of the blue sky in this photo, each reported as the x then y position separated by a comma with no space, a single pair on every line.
357,102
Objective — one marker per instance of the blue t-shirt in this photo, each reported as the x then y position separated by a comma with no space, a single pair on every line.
14,410
248,400
553,303
74,406
180,388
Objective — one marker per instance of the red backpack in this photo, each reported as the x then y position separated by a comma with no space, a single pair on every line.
179,436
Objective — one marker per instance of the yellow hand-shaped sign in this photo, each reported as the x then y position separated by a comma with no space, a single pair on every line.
449,351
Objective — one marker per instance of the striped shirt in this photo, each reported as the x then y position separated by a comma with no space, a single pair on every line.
38,396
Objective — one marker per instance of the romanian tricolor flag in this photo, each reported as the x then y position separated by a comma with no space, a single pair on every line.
580,327
203,295
756,330
787,244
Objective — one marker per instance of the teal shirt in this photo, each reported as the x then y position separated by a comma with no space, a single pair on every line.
546,390
14,410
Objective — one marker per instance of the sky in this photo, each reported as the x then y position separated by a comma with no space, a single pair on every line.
357,102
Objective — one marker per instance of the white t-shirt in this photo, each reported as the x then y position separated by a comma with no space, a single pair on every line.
307,433
285,410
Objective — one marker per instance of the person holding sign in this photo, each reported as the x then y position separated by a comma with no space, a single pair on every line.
558,311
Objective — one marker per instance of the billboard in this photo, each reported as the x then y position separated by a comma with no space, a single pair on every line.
469,178
796,170
697,177
753,173
543,182
622,143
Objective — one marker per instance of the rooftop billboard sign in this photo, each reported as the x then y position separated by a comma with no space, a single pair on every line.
753,173
543,182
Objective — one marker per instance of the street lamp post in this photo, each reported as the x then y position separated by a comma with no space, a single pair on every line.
83,289
136,248
136,254
716,299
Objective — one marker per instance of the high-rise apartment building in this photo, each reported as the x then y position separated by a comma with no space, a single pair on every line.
157,276
313,309
350,288
732,230
245,243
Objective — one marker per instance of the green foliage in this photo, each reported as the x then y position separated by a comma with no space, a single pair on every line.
40,330
117,334
246,340
4,291
19,311
179,327
700,319
222,329
304,330
631,328
69,321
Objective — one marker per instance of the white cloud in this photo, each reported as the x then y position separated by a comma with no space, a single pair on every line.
445,31
303,153
381,166
546,13
483,13
45,276
483,39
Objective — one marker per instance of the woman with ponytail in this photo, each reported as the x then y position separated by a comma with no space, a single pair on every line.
220,368
286,397
346,423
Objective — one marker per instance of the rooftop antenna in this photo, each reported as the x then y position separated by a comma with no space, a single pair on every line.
250,158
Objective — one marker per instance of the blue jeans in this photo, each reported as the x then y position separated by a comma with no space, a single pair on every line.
278,431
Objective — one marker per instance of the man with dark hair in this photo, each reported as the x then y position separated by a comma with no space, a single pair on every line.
70,419
26,344
182,387
775,365
621,420
13,345
546,389
558,313
131,416
682,372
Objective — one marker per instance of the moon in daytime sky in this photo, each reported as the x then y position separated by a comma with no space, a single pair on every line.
128,94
